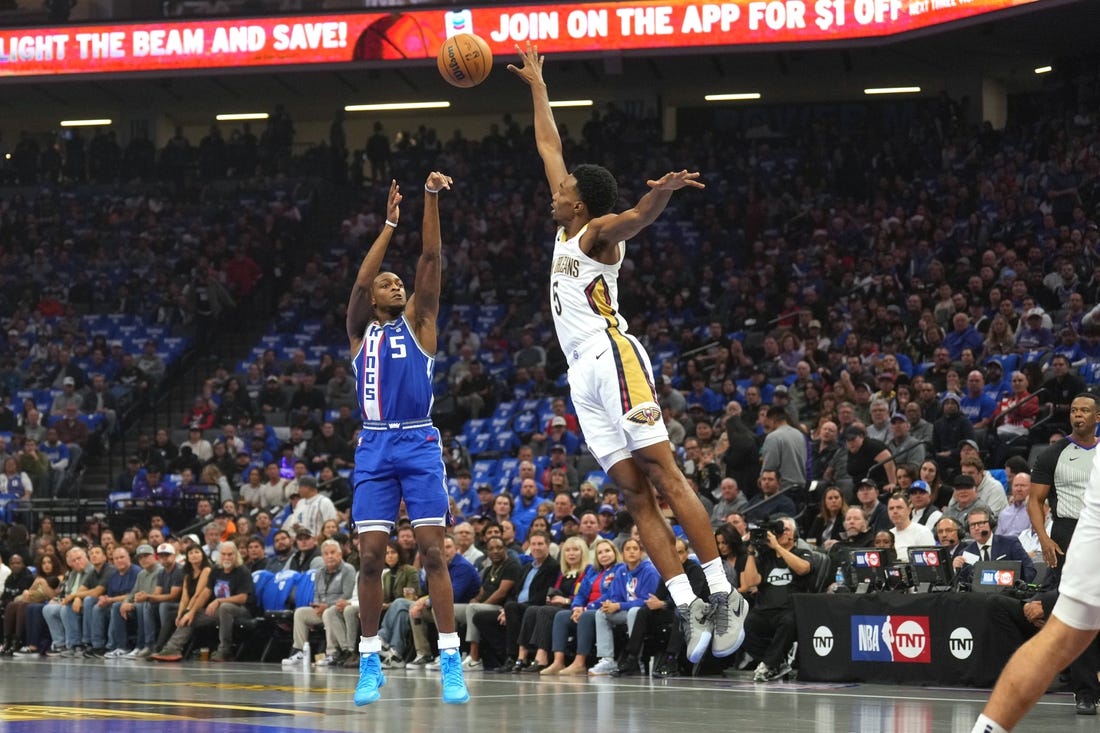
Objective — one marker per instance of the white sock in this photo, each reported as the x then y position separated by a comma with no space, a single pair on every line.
449,641
716,576
679,587
370,645
987,725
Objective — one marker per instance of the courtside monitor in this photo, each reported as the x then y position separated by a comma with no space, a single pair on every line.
867,568
932,565
995,576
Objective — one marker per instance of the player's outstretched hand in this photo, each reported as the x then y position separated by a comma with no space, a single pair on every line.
437,182
531,71
393,203
675,180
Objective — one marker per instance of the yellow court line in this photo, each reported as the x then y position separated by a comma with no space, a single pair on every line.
215,706
40,712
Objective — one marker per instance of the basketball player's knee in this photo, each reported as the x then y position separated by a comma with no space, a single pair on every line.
432,559
370,565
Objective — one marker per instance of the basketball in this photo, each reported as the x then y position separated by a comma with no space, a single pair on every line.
465,60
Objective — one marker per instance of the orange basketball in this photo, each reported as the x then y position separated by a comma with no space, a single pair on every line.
464,60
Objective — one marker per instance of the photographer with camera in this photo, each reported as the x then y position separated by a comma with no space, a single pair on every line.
778,568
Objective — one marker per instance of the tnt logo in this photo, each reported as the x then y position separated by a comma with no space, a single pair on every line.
961,643
823,641
459,21
891,639
1004,578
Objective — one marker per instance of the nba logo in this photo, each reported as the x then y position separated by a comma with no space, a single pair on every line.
459,21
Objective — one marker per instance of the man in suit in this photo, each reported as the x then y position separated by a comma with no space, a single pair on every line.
990,547
949,534
500,629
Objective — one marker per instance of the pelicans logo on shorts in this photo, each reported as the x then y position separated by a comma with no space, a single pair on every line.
645,415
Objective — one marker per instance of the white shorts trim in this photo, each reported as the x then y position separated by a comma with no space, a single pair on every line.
1077,614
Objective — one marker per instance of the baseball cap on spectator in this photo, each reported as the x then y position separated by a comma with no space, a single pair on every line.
854,431
895,309
557,421
886,375
484,487
994,363
272,378
571,518
868,483
1035,313
607,509
899,417
919,486
665,379
557,446
951,396
815,323
972,443
133,459
781,389
303,532
963,481
144,550
67,381
193,538
166,549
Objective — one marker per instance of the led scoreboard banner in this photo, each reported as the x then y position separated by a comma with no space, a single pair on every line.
417,33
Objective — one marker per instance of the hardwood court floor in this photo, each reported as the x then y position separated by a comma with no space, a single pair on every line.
95,696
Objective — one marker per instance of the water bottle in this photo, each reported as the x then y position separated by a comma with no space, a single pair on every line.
840,576
307,655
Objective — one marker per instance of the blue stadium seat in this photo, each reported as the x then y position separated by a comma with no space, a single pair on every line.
472,428
525,423
482,442
1090,372
505,441
1034,356
504,409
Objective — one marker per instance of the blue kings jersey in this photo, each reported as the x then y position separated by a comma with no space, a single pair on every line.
393,375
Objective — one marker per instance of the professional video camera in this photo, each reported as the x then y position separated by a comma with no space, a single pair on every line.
758,536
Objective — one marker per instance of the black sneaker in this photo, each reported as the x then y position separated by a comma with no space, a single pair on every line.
1085,703
666,666
629,665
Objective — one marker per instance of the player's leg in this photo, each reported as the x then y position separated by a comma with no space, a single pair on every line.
372,553
374,507
423,485
1028,674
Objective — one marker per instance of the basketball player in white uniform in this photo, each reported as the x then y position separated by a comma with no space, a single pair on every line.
610,376
1073,623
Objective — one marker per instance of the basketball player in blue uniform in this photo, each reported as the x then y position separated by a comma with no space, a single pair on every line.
398,455
610,376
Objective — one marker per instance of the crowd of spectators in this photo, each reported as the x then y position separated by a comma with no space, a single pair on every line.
870,341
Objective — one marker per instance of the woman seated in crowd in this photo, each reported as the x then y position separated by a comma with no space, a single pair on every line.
582,616
42,589
538,621
635,580
731,548
400,587
829,522
196,579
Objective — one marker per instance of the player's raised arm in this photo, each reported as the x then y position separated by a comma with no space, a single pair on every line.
360,304
423,307
546,130
620,227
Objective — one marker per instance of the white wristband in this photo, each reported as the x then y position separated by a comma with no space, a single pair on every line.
391,223
431,190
